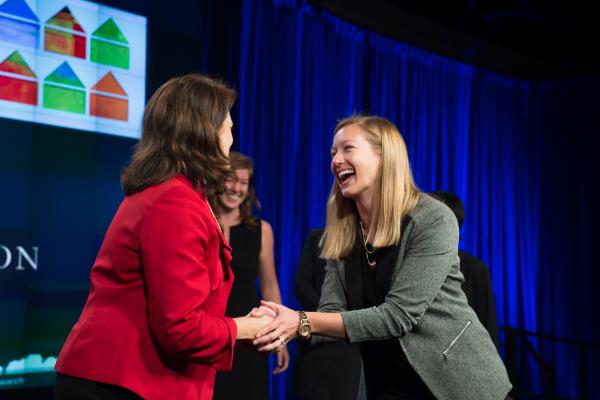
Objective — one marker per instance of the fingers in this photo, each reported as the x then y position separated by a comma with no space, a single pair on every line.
272,306
283,360
272,333
272,346
252,313
262,311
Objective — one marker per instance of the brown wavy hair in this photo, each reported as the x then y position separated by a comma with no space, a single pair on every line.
250,204
180,135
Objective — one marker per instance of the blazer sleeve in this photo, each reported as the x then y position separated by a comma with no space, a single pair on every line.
307,294
333,299
431,252
173,240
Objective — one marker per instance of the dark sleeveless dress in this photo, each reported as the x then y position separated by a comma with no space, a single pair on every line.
249,378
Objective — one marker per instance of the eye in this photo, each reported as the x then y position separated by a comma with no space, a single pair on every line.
348,147
333,153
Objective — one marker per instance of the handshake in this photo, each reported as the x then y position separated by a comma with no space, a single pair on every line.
268,328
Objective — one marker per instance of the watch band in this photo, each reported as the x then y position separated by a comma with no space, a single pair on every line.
304,329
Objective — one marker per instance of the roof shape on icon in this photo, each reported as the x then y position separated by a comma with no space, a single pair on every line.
65,75
18,8
16,64
65,19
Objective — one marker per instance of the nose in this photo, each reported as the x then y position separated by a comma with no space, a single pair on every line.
337,159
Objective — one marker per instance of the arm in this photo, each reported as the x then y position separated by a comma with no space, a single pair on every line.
305,292
327,322
178,275
431,252
269,287
430,255
267,278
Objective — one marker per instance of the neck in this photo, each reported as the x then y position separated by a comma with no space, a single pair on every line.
363,205
229,217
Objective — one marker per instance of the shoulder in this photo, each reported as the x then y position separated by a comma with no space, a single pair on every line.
265,230
176,197
429,211
175,187
265,226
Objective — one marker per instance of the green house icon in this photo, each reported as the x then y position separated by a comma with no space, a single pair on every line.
109,46
64,91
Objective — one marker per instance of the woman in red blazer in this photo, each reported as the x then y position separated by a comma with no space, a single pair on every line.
153,325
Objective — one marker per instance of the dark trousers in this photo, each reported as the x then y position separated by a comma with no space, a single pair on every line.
70,388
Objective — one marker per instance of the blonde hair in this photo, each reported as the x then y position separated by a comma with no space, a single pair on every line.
391,201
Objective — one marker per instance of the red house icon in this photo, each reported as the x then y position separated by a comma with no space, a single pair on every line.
18,83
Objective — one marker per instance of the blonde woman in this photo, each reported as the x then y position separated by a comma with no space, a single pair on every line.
393,282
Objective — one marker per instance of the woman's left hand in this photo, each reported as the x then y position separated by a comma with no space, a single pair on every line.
283,361
279,331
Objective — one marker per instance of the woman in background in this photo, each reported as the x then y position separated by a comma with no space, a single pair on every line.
251,240
154,324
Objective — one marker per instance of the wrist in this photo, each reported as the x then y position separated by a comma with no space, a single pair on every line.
243,328
304,330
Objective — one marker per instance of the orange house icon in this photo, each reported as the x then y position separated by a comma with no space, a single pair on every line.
108,99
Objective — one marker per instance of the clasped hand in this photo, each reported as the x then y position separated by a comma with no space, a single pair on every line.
280,330
277,326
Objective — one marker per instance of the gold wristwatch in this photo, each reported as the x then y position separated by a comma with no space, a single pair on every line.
304,329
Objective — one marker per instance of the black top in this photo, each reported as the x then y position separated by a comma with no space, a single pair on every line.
245,244
249,377
330,371
388,374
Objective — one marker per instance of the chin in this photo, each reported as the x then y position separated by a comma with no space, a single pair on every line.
347,193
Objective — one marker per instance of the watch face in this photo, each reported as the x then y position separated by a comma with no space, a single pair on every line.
304,330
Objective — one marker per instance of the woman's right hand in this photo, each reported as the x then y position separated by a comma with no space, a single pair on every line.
278,332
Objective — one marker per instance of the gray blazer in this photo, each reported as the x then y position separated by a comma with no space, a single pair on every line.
427,311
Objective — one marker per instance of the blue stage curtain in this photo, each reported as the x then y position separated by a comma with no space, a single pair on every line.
298,74
469,131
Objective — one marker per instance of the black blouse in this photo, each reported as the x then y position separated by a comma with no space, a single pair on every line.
388,374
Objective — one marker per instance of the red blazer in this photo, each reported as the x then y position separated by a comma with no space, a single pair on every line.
154,320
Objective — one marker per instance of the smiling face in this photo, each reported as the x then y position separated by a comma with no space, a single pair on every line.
355,163
236,189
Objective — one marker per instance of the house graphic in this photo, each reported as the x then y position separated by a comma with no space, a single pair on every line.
18,24
18,83
64,91
108,99
109,46
63,34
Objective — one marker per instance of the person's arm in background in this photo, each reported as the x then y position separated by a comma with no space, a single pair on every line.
304,281
269,287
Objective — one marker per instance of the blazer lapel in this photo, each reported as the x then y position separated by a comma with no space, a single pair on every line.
388,260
